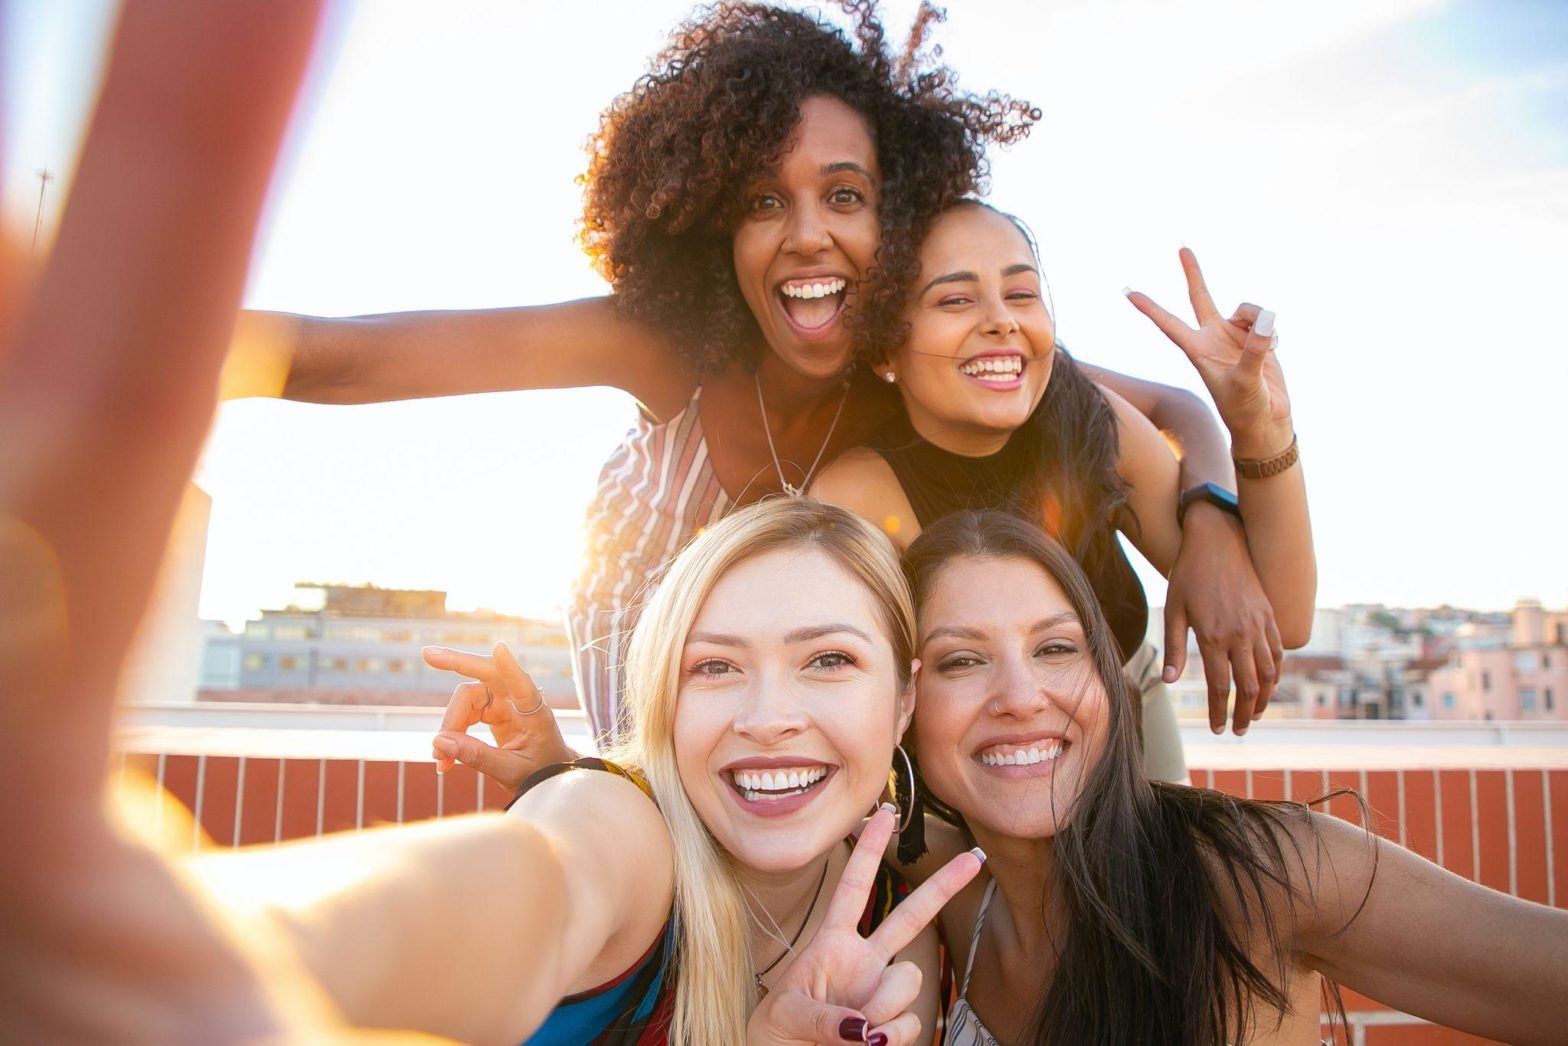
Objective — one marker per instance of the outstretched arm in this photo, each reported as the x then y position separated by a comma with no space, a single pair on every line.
562,912
409,355
1393,926
108,378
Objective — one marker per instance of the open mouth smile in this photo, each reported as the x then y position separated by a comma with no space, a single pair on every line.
812,303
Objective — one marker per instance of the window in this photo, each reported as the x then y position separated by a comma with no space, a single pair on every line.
1524,661
367,664
1546,660
1548,696
1527,699
1486,681
398,636
395,665
1448,700
1415,698
288,664
338,664
254,662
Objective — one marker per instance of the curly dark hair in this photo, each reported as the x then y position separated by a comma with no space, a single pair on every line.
672,157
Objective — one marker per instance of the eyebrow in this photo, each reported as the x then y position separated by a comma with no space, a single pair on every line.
847,165
960,632
966,276
798,635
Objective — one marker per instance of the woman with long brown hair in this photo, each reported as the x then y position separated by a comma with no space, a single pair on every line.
1114,909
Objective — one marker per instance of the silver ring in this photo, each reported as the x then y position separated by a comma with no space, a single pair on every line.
532,710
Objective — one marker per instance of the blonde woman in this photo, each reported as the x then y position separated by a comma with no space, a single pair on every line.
107,940
770,678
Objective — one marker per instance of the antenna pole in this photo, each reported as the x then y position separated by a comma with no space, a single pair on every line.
45,176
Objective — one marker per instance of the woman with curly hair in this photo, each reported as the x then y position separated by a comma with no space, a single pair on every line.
749,200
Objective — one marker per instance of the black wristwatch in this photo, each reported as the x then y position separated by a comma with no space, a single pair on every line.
1213,493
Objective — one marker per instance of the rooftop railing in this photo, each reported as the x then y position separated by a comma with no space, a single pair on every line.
1488,801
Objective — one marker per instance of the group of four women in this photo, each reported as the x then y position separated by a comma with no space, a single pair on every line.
786,214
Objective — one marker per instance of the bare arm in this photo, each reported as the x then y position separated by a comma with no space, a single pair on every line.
409,355
1150,471
1182,417
1430,943
107,385
1213,587
562,913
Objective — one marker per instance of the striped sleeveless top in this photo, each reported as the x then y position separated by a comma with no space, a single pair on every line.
655,492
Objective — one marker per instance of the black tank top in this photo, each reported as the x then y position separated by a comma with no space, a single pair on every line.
939,482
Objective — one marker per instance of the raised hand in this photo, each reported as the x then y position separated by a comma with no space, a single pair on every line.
503,697
1235,358
843,987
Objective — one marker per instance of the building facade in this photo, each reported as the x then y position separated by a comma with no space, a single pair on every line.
345,644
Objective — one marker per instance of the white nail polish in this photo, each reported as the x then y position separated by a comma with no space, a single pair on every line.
979,853
1127,291
889,807
1263,326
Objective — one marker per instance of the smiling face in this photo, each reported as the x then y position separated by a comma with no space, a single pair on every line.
978,356
1012,713
808,237
788,708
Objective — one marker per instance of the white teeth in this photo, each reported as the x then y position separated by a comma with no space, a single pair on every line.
815,290
1004,368
1023,756
768,784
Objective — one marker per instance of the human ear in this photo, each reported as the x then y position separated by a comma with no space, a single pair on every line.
906,700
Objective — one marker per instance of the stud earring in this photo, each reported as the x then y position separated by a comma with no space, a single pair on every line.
890,377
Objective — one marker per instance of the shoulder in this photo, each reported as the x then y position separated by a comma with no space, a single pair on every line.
613,809
862,481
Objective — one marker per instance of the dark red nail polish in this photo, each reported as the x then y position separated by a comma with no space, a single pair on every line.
877,1039
853,1029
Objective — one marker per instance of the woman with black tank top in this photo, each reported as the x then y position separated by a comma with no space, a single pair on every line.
998,416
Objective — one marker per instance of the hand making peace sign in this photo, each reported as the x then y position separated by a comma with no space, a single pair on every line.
843,987
1235,358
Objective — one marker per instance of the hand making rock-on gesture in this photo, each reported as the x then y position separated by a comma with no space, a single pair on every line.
1235,358
843,987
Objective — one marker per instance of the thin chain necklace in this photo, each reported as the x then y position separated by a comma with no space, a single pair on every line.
767,430
789,949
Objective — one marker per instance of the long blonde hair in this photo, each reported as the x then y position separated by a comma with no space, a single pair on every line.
713,962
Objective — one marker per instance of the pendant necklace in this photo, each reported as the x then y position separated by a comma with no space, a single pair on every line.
789,949
767,430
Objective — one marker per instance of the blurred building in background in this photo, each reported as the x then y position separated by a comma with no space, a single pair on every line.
1369,661
359,644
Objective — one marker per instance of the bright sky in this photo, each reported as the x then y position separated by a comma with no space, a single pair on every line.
1391,177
